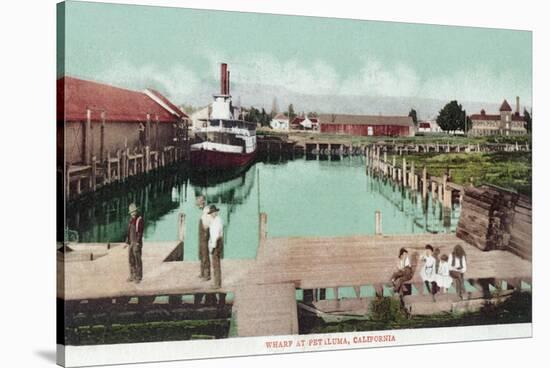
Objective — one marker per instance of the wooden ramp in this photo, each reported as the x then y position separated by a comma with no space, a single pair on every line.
266,310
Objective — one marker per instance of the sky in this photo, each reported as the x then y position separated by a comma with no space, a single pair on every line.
319,64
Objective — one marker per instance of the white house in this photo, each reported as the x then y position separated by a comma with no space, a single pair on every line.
279,122
428,126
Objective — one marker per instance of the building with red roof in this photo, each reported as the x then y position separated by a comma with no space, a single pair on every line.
367,125
305,123
95,119
504,123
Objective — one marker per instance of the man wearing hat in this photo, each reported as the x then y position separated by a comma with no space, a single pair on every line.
215,244
135,242
204,224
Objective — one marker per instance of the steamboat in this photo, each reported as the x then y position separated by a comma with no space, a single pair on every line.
225,143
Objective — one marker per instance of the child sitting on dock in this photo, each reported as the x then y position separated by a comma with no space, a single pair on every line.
404,271
427,272
443,278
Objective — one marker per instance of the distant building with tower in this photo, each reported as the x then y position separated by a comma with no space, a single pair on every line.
505,123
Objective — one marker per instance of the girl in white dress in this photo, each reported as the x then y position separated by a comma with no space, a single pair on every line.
443,278
427,272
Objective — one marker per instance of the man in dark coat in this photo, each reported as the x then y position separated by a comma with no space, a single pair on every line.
134,241
204,223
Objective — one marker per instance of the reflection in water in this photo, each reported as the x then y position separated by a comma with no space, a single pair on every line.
303,197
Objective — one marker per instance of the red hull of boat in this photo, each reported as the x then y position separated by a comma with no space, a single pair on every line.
216,160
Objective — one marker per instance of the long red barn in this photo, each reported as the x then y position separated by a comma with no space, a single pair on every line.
367,125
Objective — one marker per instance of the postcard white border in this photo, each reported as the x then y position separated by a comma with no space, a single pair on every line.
75,356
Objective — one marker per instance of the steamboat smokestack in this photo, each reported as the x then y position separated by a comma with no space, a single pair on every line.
223,79
228,83
517,105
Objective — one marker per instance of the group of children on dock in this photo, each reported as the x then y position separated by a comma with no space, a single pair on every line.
437,272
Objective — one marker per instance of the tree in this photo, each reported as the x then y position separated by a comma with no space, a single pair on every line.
264,118
452,117
412,114
291,113
528,120
252,115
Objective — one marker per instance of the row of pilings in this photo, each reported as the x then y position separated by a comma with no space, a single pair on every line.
415,179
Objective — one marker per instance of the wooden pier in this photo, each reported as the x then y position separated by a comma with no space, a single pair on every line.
318,144
266,291
118,168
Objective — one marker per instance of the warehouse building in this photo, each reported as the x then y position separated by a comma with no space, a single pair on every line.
367,125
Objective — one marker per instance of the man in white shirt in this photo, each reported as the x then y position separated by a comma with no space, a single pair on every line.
215,244
204,223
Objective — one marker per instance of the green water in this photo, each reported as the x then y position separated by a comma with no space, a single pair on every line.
301,198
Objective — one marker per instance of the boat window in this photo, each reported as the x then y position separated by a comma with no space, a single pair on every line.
214,123
229,123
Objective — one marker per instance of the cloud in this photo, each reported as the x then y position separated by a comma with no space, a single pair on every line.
265,76
177,83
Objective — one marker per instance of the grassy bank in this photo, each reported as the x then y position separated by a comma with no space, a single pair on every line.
420,139
511,170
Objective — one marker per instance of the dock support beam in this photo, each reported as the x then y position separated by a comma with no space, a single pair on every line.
378,224
424,183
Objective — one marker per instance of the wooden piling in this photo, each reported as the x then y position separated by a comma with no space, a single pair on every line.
404,173
93,180
447,198
67,181
127,163
148,130
147,159
263,228
424,182
108,176
119,159
87,138
412,177
378,221
181,227
102,139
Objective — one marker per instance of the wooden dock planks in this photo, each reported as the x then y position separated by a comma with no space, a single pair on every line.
361,260
264,288
106,277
